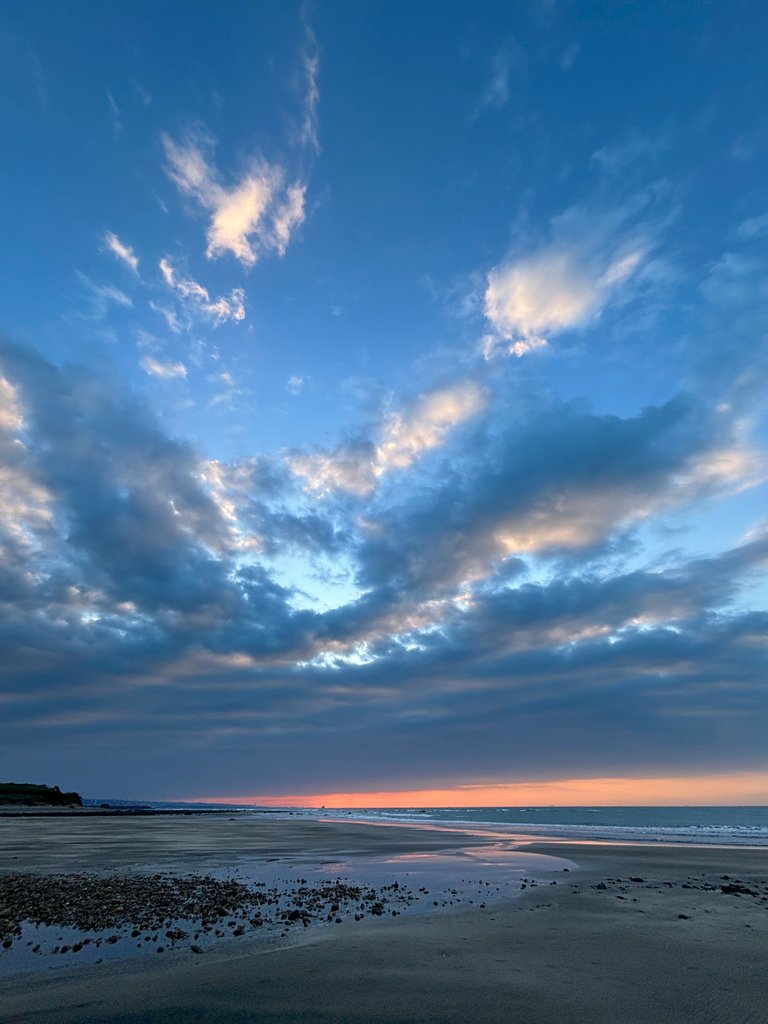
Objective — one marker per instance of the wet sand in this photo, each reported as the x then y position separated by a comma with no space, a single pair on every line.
194,843
670,947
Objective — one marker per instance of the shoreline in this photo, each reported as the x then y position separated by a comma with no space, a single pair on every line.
635,934
543,834
8,811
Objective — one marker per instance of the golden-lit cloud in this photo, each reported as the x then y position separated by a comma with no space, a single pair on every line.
25,503
218,310
10,406
165,370
404,437
555,290
256,214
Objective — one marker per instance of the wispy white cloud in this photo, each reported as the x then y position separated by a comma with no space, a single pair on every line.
753,227
144,96
544,294
256,214
311,64
508,64
734,280
164,370
289,214
295,384
101,297
228,390
569,56
404,437
122,251
115,114
634,148
169,315
562,285
219,310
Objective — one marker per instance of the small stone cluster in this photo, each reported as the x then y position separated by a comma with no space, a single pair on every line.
702,883
153,905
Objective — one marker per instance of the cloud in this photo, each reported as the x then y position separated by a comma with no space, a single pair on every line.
140,599
295,384
115,114
587,606
25,502
196,297
753,227
255,215
557,486
227,390
311,67
10,409
164,370
593,258
348,468
554,290
170,316
101,298
509,65
288,216
246,494
404,437
122,490
633,149
731,281
145,98
120,531
407,435
121,251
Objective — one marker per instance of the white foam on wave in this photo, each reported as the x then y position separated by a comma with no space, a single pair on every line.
704,835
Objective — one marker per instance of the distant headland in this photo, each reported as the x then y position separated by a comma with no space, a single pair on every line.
26,799
29,794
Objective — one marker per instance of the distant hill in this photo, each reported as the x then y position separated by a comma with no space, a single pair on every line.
27,794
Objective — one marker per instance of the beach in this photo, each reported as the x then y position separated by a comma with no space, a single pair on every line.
597,932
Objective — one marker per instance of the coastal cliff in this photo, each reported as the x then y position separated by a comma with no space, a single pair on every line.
28,794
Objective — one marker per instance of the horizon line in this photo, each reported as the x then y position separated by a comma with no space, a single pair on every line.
747,788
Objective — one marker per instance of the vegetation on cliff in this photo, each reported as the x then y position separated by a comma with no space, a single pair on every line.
28,794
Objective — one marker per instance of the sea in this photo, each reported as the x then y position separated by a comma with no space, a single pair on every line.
727,826
723,826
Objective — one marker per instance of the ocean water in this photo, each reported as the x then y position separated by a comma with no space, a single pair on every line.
727,826
724,826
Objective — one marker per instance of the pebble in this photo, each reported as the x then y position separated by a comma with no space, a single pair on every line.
149,904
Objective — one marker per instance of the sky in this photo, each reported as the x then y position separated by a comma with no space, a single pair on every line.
383,400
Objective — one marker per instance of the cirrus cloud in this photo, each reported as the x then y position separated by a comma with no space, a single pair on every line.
164,370
196,297
257,213
121,251
567,282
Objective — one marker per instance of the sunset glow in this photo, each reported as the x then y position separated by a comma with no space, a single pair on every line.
738,788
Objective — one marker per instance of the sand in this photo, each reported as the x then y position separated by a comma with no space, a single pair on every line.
564,954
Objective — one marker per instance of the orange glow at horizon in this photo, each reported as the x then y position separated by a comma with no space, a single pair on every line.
726,788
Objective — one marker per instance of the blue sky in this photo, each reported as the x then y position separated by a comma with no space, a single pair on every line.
382,394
